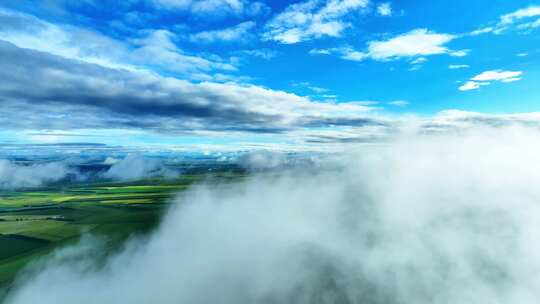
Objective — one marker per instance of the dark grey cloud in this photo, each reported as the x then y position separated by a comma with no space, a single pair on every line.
56,92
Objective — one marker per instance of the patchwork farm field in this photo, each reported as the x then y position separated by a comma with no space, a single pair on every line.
35,222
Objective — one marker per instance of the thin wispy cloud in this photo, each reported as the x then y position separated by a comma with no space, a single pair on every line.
309,20
487,77
524,19
152,48
214,7
237,33
458,66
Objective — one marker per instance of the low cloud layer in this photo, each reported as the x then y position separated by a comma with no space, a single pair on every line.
135,166
436,219
13,175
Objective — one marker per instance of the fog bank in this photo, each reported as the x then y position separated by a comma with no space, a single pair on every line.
425,219
13,175
135,166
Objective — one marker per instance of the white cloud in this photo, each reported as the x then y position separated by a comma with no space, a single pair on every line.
497,75
487,77
460,53
457,119
420,42
459,226
531,11
520,19
262,160
309,86
261,53
399,103
384,9
308,20
416,43
13,175
458,66
142,100
353,55
472,85
419,60
214,7
320,51
235,33
522,54
67,41
157,48
153,48
529,25
345,52
135,166
482,31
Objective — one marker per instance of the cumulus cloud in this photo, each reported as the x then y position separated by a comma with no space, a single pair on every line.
399,103
384,9
310,20
414,44
430,219
420,42
135,166
14,175
487,77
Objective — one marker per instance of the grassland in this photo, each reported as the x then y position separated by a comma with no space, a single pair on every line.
34,222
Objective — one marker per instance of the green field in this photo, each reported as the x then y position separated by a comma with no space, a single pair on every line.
35,222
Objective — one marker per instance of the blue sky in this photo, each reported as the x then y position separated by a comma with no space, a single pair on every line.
227,74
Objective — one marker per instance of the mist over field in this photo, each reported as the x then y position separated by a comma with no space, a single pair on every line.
135,166
451,218
13,175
